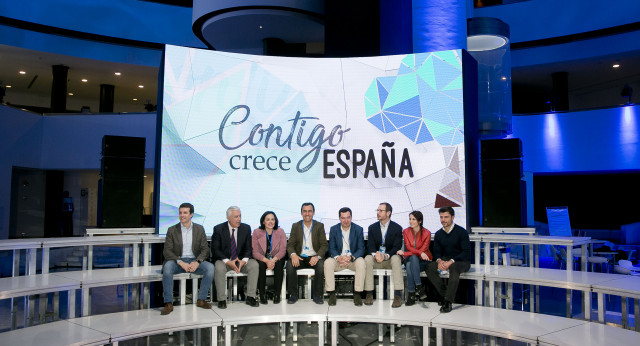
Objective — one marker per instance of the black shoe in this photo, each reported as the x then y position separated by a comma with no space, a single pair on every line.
332,299
222,304
292,299
251,301
440,302
263,299
446,307
422,295
276,299
318,300
411,299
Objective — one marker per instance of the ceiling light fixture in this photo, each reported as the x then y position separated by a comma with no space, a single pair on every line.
616,65
504,78
8,86
484,33
22,72
84,80
140,86
70,94
117,73
260,26
135,99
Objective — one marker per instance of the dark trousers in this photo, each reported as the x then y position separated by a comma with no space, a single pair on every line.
278,273
449,290
318,280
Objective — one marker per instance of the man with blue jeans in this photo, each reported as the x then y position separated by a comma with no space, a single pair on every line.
185,251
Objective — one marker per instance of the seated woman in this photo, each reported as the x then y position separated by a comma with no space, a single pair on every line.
416,255
269,246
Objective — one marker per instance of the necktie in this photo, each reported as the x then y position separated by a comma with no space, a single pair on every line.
234,255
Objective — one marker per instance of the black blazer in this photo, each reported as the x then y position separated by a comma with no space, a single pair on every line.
221,242
393,241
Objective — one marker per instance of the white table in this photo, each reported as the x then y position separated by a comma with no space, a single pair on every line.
139,323
111,277
28,286
61,333
571,280
531,241
591,334
302,311
626,286
381,312
510,324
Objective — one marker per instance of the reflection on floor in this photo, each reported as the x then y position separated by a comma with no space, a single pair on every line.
356,334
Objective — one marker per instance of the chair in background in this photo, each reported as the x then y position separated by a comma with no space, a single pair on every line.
626,267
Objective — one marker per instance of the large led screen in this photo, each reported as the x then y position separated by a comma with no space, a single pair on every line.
269,133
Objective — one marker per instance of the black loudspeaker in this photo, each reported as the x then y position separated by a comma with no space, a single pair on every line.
121,189
120,146
121,203
501,149
122,168
503,191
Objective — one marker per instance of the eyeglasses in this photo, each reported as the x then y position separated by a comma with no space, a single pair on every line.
380,210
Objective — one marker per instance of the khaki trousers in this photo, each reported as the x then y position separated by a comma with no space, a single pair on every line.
394,263
331,266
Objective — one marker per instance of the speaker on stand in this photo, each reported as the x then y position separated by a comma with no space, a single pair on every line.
503,190
121,187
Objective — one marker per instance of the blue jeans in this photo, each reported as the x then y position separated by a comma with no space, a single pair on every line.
414,266
170,268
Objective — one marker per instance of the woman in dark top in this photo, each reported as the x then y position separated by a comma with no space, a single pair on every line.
269,247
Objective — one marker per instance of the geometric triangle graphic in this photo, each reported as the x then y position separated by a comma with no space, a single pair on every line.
447,178
444,202
448,154
453,190
454,164
425,135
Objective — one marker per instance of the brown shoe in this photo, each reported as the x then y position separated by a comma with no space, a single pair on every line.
368,300
203,304
357,300
397,302
168,307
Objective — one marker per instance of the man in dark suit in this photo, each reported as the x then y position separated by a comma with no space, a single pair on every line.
384,241
346,251
306,247
231,250
186,250
452,252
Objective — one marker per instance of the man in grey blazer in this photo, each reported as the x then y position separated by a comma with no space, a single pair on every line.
185,251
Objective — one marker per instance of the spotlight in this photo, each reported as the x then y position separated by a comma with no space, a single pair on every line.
117,73
616,65
140,86
22,72
84,80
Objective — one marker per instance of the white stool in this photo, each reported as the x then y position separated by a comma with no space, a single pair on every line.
602,261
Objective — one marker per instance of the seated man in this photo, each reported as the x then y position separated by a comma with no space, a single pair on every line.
185,250
452,252
307,247
346,248
385,239
231,250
